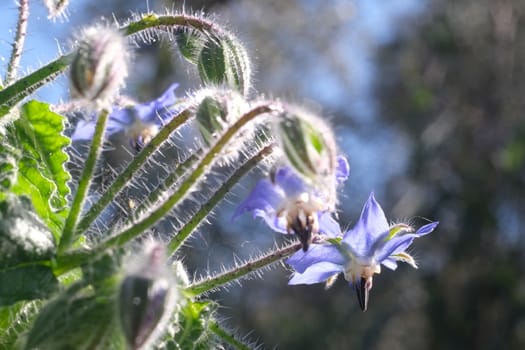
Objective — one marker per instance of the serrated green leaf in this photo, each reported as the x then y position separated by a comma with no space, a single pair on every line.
26,283
41,172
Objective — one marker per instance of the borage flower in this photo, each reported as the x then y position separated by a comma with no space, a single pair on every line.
289,205
359,253
140,122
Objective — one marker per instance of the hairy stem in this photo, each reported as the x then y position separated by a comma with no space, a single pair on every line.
139,227
227,337
224,278
68,234
18,44
125,176
23,87
170,180
206,208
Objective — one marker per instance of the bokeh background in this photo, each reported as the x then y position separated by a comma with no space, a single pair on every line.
427,98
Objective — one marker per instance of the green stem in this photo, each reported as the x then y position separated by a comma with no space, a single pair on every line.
206,208
152,20
227,337
139,227
18,44
171,179
125,176
23,87
68,234
224,278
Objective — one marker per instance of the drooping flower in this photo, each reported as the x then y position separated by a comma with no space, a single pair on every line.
359,253
140,122
289,205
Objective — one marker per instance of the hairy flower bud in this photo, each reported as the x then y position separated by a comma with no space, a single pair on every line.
224,61
216,111
56,8
147,298
309,146
99,65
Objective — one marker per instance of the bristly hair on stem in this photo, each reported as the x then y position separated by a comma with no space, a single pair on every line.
18,44
209,284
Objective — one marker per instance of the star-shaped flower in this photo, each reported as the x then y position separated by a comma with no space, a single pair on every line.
359,253
288,204
140,122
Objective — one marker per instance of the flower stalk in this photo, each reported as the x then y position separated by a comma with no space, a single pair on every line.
139,227
125,176
177,241
219,280
69,233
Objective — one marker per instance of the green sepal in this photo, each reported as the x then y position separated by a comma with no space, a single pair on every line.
190,44
195,320
211,117
212,62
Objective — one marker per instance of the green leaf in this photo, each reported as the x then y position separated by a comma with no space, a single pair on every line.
77,320
41,172
26,283
23,237
26,245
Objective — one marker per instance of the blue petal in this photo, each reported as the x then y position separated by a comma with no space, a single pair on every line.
83,131
342,169
371,225
276,223
317,253
396,245
426,229
289,181
158,111
119,120
390,263
316,273
265,197
328,225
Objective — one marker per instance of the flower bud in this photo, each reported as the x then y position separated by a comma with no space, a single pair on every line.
309,146
147,298
223,61
56,8
99,65
216,111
